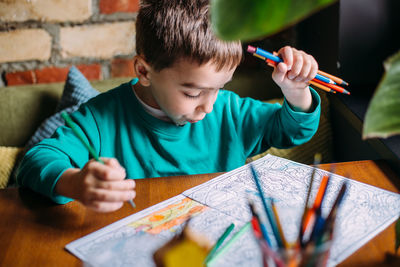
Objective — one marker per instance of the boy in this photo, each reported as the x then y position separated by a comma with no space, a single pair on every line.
175,120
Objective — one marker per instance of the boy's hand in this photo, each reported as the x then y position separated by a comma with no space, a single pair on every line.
101,187
293,74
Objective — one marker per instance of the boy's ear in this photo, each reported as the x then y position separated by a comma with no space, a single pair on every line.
142,70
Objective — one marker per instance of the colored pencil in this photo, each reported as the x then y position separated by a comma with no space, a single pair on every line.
322,87
256,227
278,223
219,242
231,241
268,55
317,161
265,247
321,195
321,76
334,78
256,221
267,251
334,87
313,82
68,120
318,227
311,214
267,209
338,200
328,226
92,152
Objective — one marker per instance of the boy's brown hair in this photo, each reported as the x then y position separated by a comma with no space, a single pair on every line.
169,30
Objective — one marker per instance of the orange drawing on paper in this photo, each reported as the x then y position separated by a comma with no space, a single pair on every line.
168,217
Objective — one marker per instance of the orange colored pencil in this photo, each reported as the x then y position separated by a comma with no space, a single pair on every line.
317,202
321,192
271,62
334,78
322,87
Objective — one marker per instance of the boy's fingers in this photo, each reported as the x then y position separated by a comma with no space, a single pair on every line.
105,206
287,56
314,70
107,173
305,70
103,195
112,162
127,184
278,75
297,66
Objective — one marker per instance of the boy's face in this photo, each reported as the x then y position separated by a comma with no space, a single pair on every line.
186,92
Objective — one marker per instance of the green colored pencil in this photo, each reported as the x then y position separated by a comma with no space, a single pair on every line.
92,152
219,242
230,242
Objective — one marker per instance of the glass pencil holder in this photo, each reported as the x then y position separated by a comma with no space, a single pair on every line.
309,256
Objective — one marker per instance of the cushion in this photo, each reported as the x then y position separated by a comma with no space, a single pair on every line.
321,142
8,156
24,107
77,90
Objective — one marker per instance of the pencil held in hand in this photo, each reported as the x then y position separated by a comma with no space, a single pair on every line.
92,151
322,80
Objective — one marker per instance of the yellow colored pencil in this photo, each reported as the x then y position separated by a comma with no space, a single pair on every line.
285,244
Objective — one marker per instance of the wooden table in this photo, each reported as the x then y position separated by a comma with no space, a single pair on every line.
34,231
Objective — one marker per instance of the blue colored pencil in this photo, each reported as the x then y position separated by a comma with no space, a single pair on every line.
262,226
329,221
268,210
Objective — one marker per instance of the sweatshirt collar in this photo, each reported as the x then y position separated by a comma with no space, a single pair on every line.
161,126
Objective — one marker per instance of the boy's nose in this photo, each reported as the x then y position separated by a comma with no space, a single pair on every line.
207,107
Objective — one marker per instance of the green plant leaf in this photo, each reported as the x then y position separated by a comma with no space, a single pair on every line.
250,19
397,236
383,114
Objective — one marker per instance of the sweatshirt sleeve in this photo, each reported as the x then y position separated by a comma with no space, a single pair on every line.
264,125
44,164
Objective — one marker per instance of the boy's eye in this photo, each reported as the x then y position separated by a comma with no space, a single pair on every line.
191,96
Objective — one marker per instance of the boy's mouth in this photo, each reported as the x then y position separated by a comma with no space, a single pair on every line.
193,121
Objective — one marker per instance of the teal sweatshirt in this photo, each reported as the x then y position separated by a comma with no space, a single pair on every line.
117,126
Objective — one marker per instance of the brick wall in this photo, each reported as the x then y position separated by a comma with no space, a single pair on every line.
40,39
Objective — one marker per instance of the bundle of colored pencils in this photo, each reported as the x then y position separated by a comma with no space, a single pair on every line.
315,233
322,80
